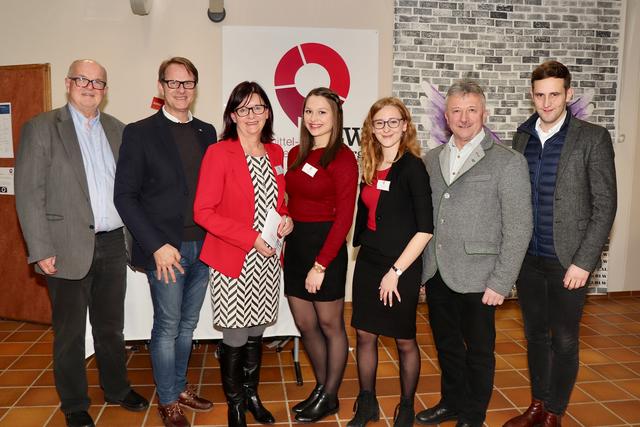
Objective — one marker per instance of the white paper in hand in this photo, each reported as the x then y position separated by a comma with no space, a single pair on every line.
270,231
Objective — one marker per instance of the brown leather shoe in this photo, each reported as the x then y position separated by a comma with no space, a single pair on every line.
191,400
551,420
172,415
531,417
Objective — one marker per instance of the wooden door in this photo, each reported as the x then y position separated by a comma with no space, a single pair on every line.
24,293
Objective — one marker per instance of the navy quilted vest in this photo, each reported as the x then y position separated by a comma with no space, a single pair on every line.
543,168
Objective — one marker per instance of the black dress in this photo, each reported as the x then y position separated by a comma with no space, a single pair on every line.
401,212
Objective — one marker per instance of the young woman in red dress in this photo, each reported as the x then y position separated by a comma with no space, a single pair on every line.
321,185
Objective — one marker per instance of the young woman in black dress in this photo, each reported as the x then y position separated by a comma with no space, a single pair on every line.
393,226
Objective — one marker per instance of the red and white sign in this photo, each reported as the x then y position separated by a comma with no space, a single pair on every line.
289,62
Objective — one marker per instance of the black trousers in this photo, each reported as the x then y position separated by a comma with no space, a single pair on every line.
102,291
464,334
551,315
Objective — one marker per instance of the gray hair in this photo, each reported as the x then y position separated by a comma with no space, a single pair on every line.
72,67
465,87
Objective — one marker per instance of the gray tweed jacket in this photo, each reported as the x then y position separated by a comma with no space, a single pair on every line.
483,219
585,201
52,194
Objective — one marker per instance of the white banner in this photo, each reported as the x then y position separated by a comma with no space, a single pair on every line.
289,62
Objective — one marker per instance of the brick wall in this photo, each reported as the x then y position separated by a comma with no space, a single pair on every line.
499,43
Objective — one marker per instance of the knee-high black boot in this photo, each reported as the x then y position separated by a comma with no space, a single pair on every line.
232,373
252,362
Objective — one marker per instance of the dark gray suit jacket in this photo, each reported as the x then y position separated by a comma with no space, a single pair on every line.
52,194
585,199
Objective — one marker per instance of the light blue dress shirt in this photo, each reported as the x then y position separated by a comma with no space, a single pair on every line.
100,169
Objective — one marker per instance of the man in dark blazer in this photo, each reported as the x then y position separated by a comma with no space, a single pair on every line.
573,185
482,218
64,197
155,186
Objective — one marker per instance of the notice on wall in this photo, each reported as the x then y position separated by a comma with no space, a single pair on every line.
6,138
6,182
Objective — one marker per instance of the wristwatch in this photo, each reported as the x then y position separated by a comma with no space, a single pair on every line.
397,270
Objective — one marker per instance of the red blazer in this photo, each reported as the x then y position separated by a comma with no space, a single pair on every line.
224,204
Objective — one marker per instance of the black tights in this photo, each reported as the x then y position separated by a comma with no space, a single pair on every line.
321,324
367,356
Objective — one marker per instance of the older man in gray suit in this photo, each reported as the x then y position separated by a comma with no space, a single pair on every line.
64,196
482,217
573,189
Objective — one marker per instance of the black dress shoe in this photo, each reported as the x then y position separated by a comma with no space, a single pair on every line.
132,402
79,419
436,415
315,393
324,405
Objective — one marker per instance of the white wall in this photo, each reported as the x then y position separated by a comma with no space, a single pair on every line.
131,47
624,254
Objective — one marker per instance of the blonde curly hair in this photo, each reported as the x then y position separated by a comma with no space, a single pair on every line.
371,150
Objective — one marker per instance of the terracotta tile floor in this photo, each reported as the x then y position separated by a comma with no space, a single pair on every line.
607,392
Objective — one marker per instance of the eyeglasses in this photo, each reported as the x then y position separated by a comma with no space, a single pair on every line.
175,84
85,82
257,110
392,123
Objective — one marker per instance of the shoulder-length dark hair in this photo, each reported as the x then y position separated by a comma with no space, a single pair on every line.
239,97
335,141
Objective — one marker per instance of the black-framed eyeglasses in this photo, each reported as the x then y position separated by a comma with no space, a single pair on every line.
257,110
175,84
392,123
85,82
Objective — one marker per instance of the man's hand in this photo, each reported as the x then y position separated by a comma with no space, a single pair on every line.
575,277
491,297
167,258
48,265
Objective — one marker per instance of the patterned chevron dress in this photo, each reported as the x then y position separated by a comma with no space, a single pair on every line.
252,298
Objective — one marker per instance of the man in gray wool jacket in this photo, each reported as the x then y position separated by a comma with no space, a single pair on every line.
482,216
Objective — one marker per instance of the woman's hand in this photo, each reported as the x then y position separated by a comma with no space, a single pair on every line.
314,279
389,288
262,247
285,227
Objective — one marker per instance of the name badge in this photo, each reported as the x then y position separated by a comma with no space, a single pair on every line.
383,185
279,170
309,170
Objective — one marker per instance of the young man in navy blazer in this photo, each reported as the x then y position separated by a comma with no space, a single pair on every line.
573,185
155,186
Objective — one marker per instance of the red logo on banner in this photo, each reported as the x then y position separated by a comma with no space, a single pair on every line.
298,56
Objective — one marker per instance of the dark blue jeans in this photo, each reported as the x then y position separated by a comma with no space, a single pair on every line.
551,315
176,310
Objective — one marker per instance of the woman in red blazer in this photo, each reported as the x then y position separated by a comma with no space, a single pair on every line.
241,180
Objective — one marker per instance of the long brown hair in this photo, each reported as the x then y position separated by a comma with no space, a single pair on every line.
335,141
371,150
